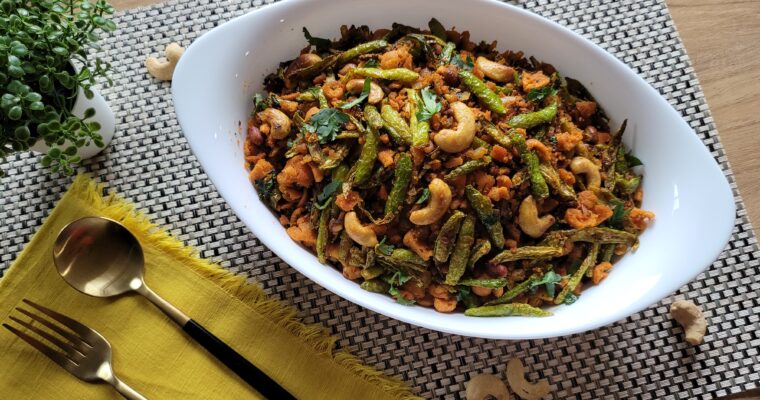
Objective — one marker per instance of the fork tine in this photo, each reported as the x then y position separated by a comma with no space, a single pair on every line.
57,357
75,326
57,329
67,347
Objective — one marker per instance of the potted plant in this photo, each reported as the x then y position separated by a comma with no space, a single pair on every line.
47,99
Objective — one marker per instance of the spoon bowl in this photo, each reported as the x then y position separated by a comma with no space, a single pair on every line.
99,257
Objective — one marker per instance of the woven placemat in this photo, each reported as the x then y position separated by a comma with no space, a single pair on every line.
643,356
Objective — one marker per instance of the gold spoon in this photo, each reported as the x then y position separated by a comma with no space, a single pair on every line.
102,258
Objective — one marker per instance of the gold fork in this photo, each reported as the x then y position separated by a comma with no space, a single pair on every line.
81,351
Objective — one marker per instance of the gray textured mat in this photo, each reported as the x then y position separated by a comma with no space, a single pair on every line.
643,356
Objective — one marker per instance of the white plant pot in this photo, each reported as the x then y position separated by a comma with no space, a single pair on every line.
103,115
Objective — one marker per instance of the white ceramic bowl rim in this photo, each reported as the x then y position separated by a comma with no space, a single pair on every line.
683,184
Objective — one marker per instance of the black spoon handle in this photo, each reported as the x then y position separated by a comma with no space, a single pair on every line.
263,384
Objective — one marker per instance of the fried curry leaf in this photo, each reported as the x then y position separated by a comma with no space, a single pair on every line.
437,29
619,214
320,43
632,160
424,196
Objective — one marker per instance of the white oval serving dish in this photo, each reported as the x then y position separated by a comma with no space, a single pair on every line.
218,74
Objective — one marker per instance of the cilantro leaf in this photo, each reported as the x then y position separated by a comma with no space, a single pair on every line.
267,190
619,213
429,106
424,196
466,65
537,95
632,160
399,278
371,63
393,291
570,298
549,279
323,199
258,102
362,96
437,29
462,292
326,124
320,43
385,248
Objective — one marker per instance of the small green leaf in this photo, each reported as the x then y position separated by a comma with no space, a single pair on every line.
54,153
93,126
19,50
371,63
61,51
37,106
46,161
15,113
32,97
8,100
15,71
89,113
70,151
22,133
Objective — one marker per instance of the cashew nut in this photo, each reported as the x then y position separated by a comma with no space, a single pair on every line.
529,222
495,71
486,387
302,61
581,165
440,200
689,315
523,388
163,70
363,235
454,141
279,123
356,86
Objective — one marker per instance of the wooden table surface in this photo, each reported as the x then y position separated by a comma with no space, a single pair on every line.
722,37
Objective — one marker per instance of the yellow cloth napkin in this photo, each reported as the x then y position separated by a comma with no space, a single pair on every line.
150,352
